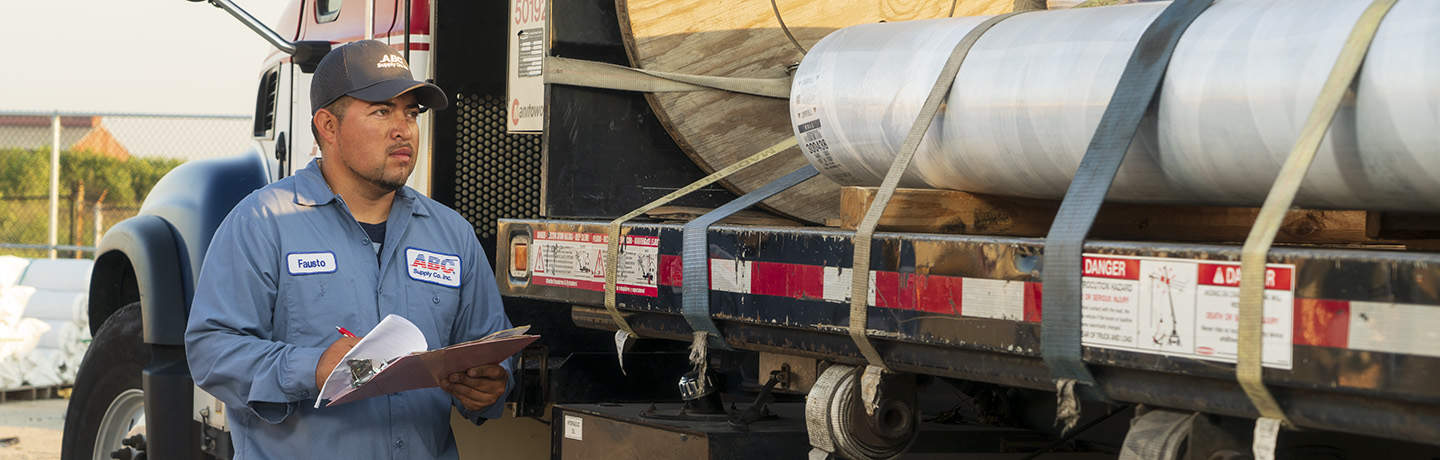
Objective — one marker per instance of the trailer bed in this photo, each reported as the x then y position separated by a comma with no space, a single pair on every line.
1350,333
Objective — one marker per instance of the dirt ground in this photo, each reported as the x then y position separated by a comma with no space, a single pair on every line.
36,424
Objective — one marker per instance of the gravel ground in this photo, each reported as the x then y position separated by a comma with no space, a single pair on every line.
37,424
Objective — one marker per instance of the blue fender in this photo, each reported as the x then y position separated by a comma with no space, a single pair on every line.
155,257
138,261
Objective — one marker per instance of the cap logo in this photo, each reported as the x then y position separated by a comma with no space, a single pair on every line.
391,61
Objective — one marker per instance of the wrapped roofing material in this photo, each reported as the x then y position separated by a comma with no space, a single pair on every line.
11,269
17,342
44,325
59,274
1030,93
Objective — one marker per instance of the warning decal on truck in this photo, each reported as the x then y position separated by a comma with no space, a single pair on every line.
577,260
1180,307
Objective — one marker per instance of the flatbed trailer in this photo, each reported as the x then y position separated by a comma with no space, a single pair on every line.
1357,355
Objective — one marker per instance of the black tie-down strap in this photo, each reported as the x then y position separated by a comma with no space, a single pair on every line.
1061,291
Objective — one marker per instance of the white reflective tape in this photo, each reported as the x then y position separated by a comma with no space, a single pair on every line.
837,284
1395,328
995,299
730,275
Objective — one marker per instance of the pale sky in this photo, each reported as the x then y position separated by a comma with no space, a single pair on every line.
166,56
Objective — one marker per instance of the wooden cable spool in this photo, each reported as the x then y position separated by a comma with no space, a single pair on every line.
744,39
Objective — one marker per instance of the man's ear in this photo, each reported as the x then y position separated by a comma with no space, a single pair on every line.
327,126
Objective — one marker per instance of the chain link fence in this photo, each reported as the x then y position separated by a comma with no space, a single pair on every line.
107,164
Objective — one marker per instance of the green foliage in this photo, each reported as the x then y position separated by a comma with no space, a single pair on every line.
25,188
26,173
23,173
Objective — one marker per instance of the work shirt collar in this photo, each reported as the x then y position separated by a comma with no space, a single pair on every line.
312,190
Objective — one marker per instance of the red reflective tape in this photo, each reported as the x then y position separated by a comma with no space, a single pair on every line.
940,294
672,270
787,280
1322,323
1032,302
892,290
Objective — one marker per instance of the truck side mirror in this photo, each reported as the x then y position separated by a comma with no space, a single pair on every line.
306,54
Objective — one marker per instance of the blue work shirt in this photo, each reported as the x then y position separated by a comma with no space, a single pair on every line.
289,264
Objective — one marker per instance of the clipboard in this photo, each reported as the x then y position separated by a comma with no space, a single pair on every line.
403,363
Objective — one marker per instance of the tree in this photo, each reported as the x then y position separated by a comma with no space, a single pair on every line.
26,173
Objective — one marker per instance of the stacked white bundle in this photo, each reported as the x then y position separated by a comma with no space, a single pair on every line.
11,269
18,335
61,302
44,326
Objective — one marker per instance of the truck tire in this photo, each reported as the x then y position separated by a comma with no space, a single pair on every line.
107,390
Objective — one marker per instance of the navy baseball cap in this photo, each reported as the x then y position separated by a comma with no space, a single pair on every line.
371,71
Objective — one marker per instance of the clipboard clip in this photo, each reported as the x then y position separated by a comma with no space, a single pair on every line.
363,370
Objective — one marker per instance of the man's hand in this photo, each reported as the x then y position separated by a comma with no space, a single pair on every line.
331,357
477,387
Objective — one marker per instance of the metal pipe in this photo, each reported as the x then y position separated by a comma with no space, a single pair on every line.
54,181
259,27
369,19
407,31
1030,93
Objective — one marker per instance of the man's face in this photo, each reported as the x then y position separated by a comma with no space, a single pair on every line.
376,141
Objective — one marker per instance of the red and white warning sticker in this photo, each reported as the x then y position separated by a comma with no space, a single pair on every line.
1181,307
577,260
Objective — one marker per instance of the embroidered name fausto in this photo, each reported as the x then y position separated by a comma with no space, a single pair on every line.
310,263
433,267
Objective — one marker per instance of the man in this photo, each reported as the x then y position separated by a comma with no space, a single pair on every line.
331,246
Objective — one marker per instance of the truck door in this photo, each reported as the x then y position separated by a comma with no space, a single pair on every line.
272,128
302,139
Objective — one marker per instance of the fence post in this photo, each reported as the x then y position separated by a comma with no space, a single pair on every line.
99,224
54,181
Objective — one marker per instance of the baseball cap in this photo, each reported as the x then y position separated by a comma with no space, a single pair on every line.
371,71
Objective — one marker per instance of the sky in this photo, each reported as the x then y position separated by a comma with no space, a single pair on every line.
153,56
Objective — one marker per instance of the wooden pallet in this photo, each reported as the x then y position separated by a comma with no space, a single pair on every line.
33,393
946,211
682,214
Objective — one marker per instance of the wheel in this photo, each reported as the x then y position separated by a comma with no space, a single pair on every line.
107,407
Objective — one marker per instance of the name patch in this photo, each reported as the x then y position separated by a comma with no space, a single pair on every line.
433,267
310,263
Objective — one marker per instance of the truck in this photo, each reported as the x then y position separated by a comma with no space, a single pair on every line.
764,358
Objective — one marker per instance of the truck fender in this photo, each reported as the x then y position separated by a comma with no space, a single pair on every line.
140,260
155,257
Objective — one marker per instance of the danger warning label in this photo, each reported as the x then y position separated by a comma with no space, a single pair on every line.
1180,307
577,260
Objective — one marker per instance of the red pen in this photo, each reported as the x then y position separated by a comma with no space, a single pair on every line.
345,332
